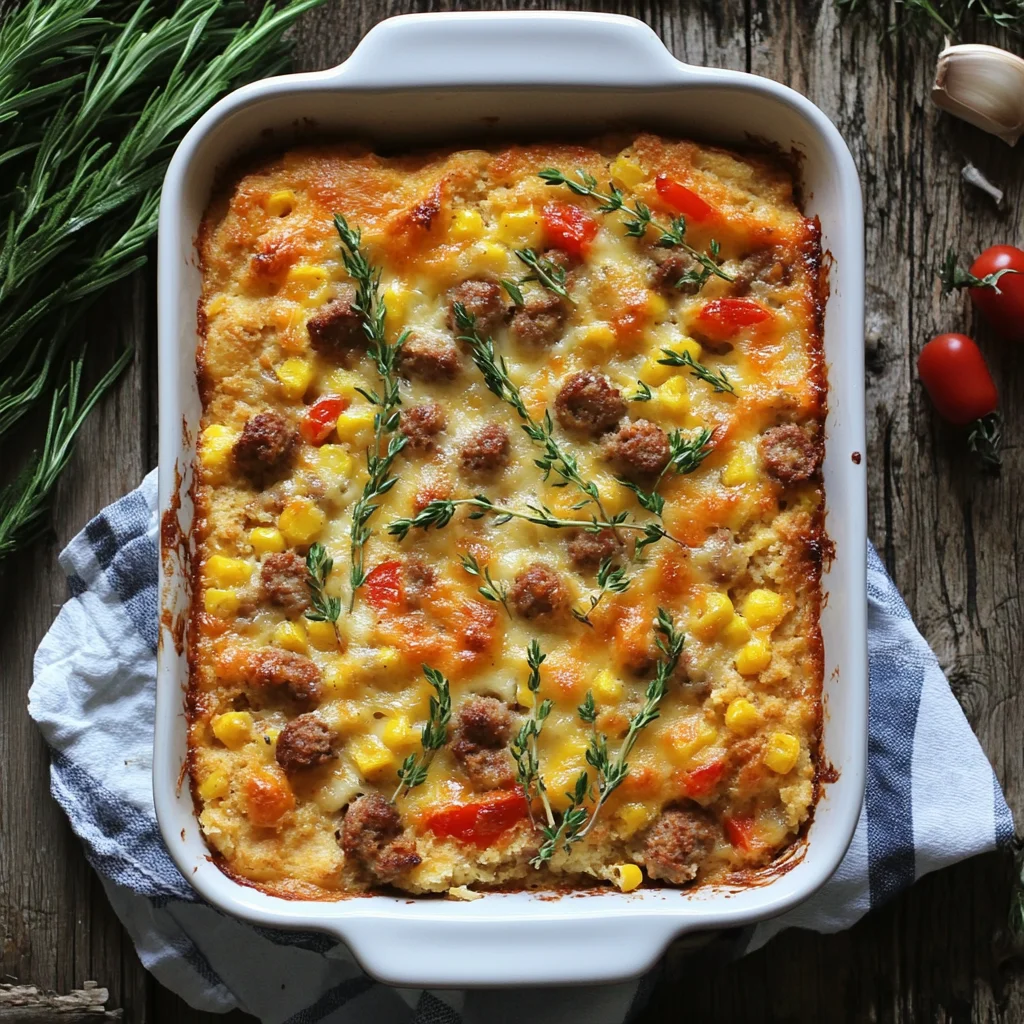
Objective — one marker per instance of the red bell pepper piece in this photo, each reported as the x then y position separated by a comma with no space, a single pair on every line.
722,318
384,586
741,832
480,822
320,418
568,227
703,779
683,200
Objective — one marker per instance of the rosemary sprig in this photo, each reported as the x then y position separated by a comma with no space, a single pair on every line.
719,381
490,590
524,746
639,219
439,513
952,277
685,455
495,373
23,502
546,272
433,736
643,393
948,15
318,568
387,440
611,770
610,580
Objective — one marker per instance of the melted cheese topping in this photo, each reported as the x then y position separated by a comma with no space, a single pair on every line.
738,728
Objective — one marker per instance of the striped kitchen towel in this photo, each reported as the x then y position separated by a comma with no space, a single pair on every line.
932,799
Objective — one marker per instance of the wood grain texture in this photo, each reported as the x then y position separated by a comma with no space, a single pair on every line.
952,540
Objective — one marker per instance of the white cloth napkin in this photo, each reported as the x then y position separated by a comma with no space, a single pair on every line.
932,800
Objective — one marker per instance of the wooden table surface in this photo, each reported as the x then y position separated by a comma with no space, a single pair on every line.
953,541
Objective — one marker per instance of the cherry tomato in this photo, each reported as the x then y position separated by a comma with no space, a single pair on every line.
480,822
384,586
569,227
741,832
320,418
683,200
722,318
953,370
1002,305
703,779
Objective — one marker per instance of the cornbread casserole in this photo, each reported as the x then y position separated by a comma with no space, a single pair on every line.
578,425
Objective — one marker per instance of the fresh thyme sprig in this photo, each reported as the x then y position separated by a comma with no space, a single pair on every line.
719,381
491,589
685,455
639,219
318,568
611,579
952,277
439,513
495,373
947,15
387,440
524,746
546,272
611,770
433,736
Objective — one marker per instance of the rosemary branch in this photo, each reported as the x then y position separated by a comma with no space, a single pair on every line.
318,568
495,373
576,822
490,589
439,513
387,440
948,15
719,381
639,219
524,746
433,736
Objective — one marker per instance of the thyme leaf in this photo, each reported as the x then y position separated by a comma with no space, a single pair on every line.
545,271
490,590
318,568
611,579
524,746
719,381
643,393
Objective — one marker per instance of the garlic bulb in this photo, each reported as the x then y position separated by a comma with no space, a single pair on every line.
984,86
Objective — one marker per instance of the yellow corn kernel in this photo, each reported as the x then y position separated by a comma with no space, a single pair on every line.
345,384
355,425
220,602
215,785
301,521
781,752
306,277
740,469
340,679
466,224
718,612
370,755
227,572
736,632
233,729
266,540
607,688
632,817
280,204
627,876
688,738
489,257
674,396
322,635
627,172
655,373
657,305
334,462
598,336
396,302
753,657
215,446
519,229
741,716
387,659
295,376
763,608
524,696
291,636
399,736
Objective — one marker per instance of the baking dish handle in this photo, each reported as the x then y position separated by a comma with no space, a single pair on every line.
498,48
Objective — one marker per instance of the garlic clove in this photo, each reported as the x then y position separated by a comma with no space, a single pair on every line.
984,86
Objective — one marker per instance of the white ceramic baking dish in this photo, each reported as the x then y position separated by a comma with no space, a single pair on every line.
428,79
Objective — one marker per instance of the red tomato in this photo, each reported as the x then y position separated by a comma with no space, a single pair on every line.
741,832
953,370
723,318
702,780
481,822
320,418
384,586
683,200
569,227
1003,305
